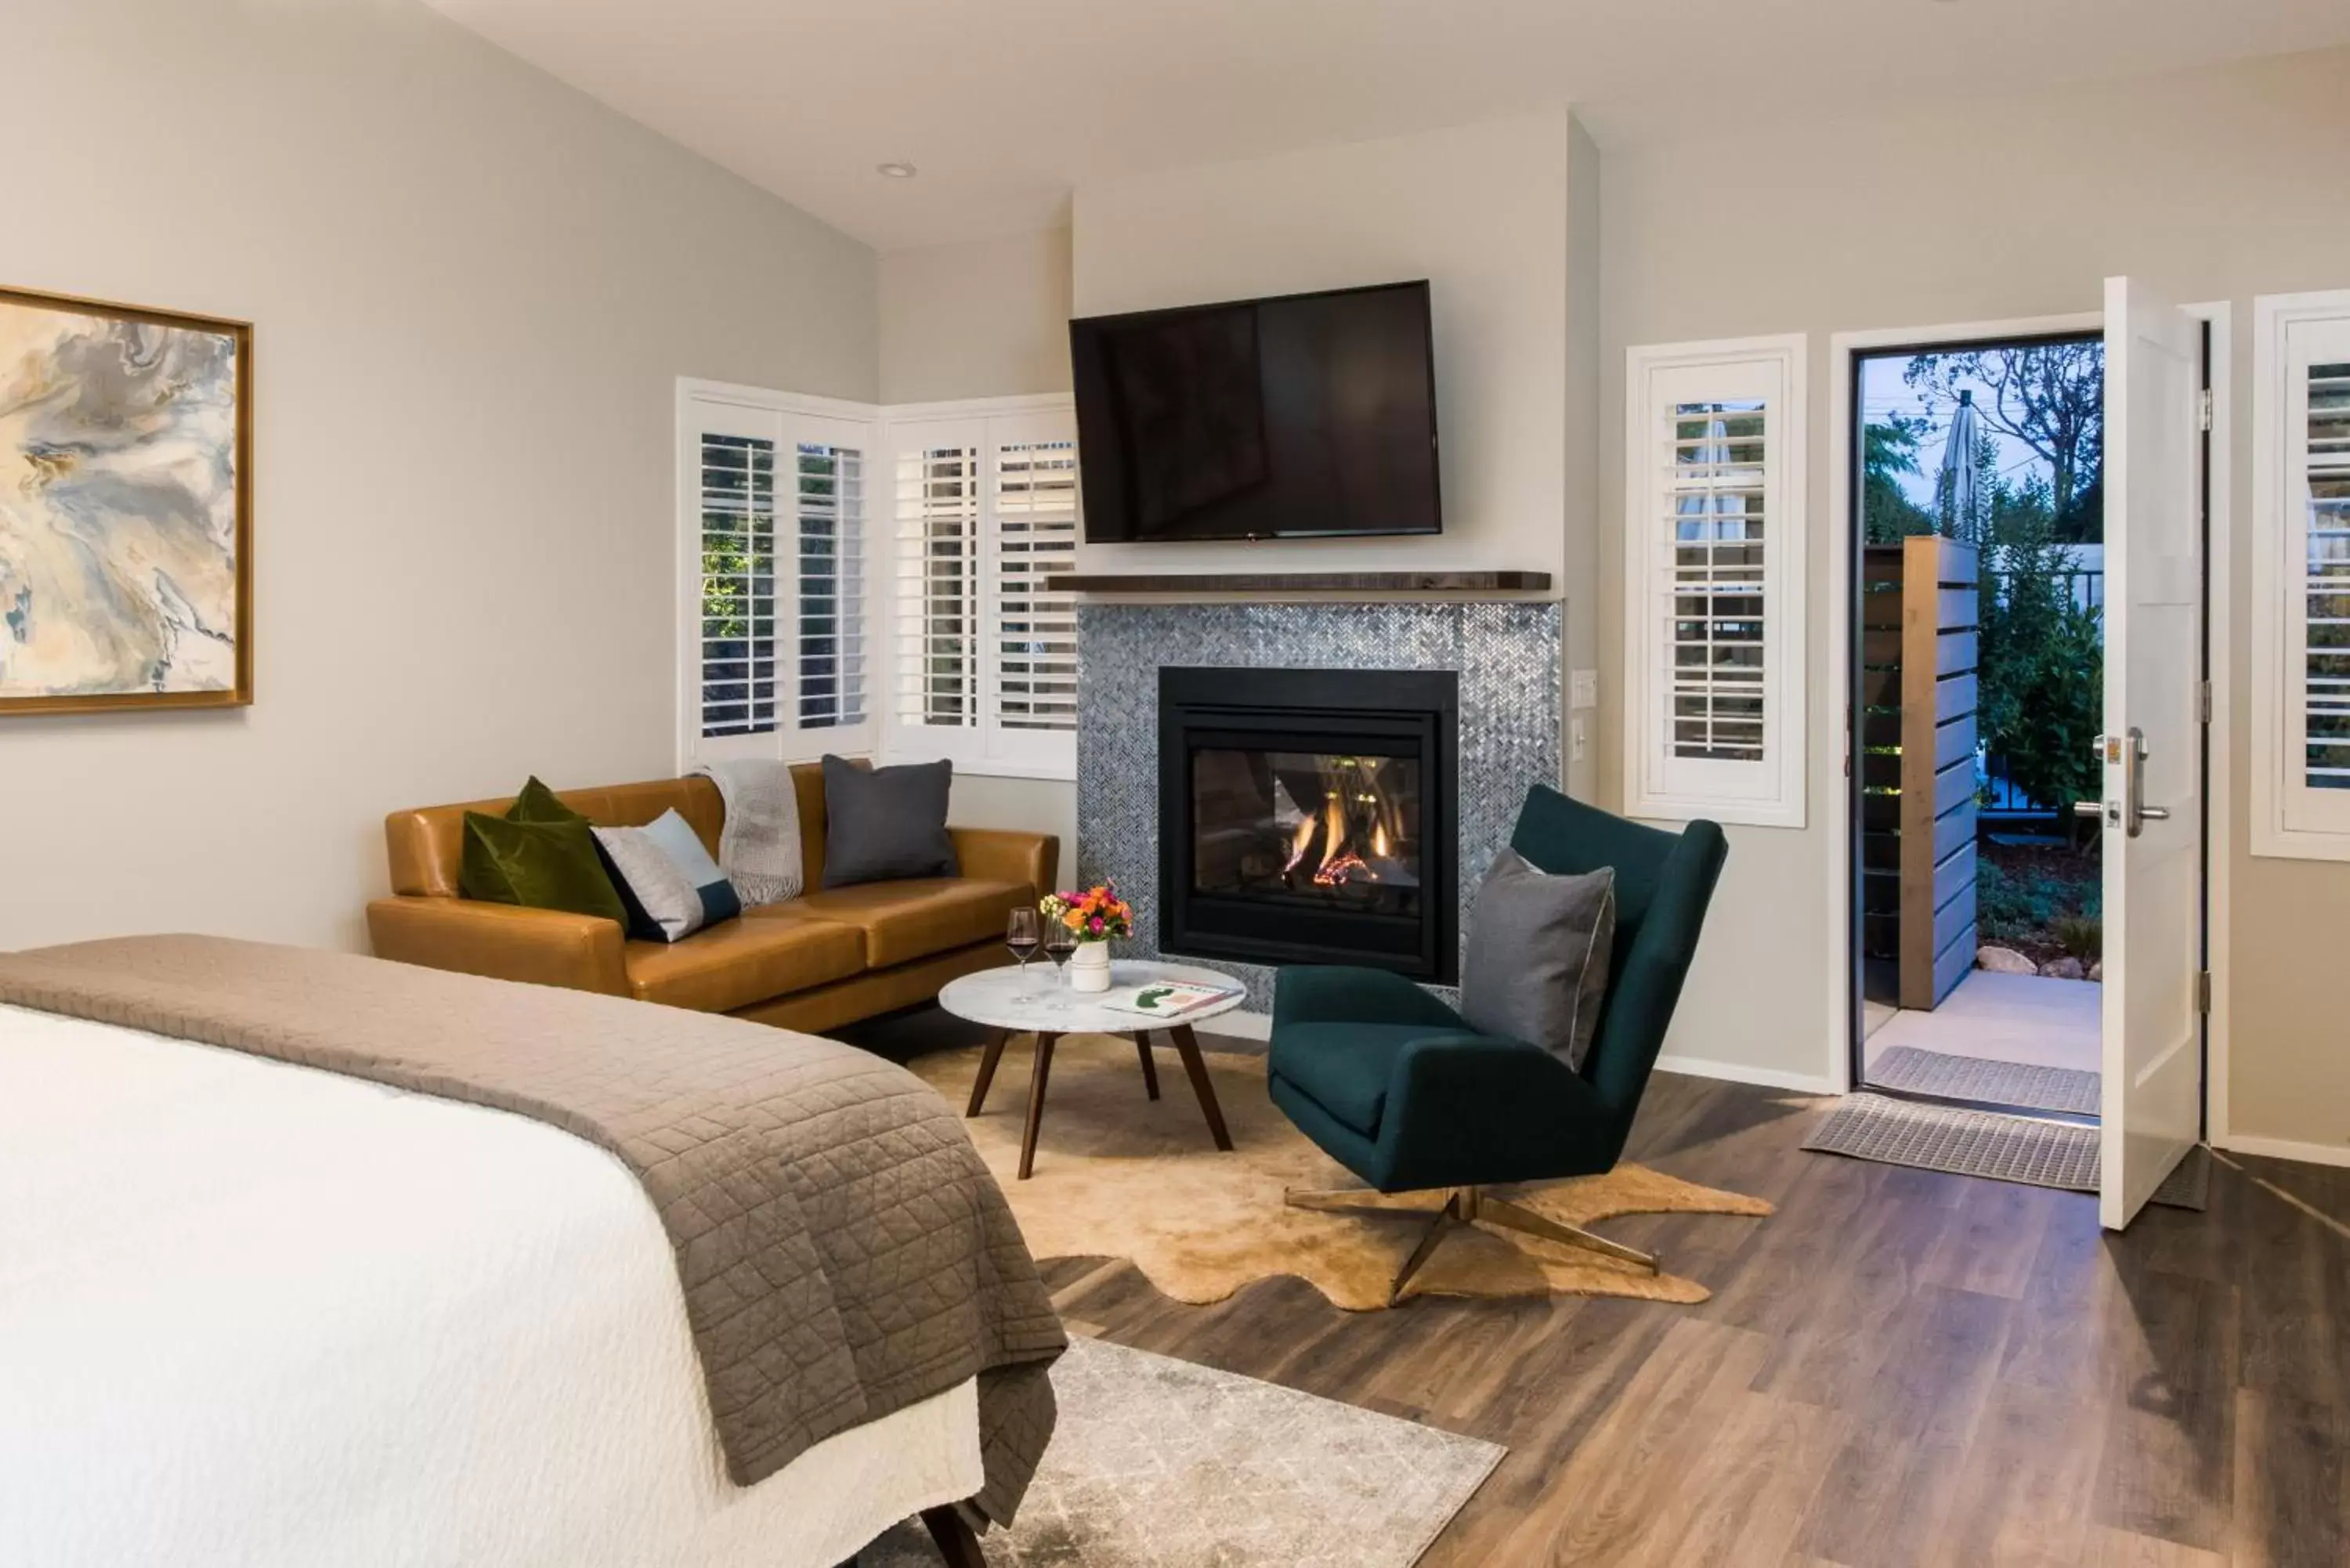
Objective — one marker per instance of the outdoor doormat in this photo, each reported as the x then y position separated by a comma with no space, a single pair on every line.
1918,1072
1989,1144
1157,1463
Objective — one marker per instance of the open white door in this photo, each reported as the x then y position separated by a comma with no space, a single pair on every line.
2152,746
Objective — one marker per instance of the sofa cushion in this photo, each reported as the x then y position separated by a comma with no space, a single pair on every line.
538,864
1344,1068
671,885
910,919
743,962
885,823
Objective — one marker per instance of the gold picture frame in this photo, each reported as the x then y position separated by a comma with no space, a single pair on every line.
92,391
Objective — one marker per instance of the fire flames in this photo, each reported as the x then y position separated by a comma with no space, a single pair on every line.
1353,813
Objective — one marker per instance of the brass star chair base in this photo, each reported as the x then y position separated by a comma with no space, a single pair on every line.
1451,1206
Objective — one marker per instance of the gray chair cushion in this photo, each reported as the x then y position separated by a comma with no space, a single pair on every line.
1536,969
882,823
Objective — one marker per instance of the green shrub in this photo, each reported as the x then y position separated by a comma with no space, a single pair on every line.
2013,905
2080,936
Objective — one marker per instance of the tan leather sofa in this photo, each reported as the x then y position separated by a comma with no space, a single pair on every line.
819,960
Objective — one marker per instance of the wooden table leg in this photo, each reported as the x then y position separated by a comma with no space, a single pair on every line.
953,1537
1038,1070
1150,1067
1187,1045
995,1040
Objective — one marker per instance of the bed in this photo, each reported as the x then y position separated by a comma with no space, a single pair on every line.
256,1312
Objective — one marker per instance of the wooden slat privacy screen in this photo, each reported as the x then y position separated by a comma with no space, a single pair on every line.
1917,702
1938,767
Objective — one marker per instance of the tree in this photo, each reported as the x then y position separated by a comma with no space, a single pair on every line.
1889,451
2040,653
2049,396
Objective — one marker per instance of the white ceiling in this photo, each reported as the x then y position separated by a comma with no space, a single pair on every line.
1005,105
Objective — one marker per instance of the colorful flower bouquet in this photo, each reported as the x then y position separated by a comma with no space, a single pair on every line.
1096,915
1091,918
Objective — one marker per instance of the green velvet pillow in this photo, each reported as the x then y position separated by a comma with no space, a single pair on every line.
537,803
538,864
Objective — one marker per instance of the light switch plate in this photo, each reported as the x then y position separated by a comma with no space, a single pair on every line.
1579,740
1583,692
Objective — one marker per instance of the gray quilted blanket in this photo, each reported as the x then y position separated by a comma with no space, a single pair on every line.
843,1252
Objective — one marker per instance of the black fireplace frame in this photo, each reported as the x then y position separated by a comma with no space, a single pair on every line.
1413,712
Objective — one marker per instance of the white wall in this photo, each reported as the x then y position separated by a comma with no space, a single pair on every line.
2220,184
473,290
987,320
1481,212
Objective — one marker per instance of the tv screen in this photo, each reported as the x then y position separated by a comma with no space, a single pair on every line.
1311,414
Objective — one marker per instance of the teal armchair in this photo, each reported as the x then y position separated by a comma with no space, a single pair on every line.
1393,1085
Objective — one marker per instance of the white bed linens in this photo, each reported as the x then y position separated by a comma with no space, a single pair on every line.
489,1363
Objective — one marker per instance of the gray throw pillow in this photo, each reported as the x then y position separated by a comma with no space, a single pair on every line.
881,824
1538,951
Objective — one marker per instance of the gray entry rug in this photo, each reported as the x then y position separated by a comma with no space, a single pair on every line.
1986,1143
1161,1464
1918,1072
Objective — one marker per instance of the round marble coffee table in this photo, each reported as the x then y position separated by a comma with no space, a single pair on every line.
1048,1009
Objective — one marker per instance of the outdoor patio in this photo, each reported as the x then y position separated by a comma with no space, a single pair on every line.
2024,1018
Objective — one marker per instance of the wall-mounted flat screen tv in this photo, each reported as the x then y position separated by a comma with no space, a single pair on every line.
1307,415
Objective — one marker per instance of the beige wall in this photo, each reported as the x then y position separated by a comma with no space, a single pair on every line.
2222,184
1481,212
987,320
472,291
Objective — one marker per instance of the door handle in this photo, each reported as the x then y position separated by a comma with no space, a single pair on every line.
2135,811
2130,812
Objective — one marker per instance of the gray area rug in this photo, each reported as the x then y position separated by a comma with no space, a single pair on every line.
1986,1143
1918,1072
1161,1464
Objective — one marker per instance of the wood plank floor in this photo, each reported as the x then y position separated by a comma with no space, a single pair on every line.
1899,1367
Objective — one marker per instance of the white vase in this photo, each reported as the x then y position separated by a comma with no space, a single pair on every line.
1089,967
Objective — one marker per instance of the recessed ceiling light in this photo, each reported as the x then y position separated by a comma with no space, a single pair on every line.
895,171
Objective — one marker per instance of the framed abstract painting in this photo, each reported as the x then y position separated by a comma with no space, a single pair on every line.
126,507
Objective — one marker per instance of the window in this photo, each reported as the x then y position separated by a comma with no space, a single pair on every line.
773,655
1714,554
987,510
2300,480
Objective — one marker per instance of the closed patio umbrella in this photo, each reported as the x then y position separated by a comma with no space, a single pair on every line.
1956,484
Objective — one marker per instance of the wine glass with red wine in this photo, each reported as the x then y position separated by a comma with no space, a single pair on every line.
1059,943
1020,934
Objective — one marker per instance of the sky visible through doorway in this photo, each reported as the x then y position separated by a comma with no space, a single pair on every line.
1884,393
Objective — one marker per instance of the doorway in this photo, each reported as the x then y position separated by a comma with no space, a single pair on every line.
1977,622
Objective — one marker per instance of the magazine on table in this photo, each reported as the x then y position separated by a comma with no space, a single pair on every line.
1167,998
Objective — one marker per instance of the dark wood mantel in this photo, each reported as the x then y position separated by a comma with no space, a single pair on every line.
1298,582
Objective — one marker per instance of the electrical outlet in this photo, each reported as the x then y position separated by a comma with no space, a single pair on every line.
1584,692
1577,739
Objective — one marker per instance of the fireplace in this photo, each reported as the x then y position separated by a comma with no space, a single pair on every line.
1308,817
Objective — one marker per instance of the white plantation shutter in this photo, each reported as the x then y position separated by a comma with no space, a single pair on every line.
938,509
732,614
2322,419
1035,635
987,510
1713,558
773,645
831,632
2301,557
